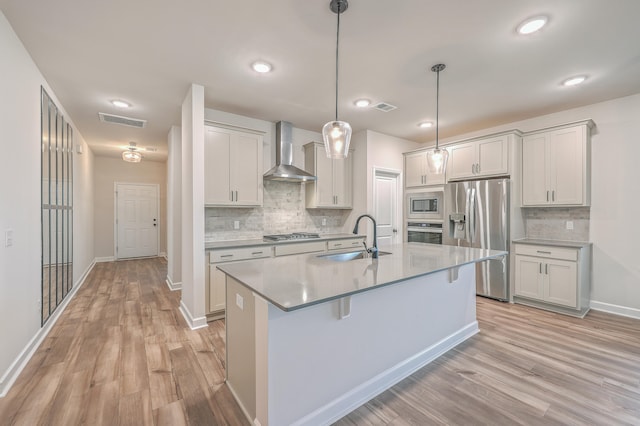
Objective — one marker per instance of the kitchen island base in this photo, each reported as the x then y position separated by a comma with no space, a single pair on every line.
316,364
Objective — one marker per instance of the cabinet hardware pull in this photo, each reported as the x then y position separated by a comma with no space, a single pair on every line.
546,268
255,253
477,167
231,195
543,252
473,169
226,255
553,195
541,268
547,195
337,245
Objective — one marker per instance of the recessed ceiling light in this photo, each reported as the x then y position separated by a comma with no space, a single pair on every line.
573,81
361,103
425,124
120,103
532,25
261,67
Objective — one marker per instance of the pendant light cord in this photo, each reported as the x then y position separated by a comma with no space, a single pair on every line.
337,48
437,105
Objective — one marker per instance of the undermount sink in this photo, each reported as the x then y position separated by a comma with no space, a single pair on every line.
352,255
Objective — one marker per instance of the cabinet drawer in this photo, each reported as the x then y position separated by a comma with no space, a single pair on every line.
549,252
344,244
245,253
297,248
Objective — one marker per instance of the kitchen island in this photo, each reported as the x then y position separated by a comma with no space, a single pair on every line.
312,337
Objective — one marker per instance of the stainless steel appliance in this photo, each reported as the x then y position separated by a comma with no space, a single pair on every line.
424,232
284,170
292,236
477,215
425,205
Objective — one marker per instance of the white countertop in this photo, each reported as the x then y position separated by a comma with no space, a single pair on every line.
217,245
294,282
555,243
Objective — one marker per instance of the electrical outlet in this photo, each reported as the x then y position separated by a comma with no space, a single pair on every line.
236,224
569,224
324,221
240,302
8,237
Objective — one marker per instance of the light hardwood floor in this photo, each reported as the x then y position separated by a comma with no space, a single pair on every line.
122,354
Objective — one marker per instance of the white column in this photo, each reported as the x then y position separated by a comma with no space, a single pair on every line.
192,304
174,209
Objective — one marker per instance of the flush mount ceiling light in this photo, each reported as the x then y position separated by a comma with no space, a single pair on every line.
131,155
120,103
437,158
362,103
261,67
574,81
425,124
532,25
337,134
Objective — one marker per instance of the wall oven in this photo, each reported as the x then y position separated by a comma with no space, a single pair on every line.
424,232
425,205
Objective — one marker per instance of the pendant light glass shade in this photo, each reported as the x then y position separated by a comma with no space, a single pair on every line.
336,134
131,155
437,158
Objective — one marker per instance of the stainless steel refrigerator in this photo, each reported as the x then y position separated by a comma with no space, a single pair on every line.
477,215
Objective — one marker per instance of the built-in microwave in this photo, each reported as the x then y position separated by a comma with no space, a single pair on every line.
425,204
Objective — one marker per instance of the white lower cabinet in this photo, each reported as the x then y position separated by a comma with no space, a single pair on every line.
215,293
554,278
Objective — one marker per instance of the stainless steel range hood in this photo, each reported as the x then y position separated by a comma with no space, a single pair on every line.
284,169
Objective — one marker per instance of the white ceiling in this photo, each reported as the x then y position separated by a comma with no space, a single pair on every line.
148,52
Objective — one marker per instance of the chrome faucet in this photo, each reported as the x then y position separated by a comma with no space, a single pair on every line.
374,249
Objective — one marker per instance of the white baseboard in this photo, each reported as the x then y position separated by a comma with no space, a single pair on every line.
163,254
615,309
346,403
193,323
105,259
16,367
173,286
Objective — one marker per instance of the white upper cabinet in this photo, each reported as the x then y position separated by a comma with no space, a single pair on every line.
416,171
334,185
556,166
480,158
232,168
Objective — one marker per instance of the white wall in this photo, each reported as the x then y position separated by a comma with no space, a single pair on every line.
20,285
110,170
615,205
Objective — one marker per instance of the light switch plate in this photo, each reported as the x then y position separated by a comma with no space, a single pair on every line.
8,237
569,224
236,224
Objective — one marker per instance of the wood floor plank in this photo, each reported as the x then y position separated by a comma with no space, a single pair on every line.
121,353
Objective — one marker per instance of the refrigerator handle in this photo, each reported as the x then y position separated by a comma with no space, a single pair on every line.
472,214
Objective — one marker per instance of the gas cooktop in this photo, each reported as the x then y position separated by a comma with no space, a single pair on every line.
292,236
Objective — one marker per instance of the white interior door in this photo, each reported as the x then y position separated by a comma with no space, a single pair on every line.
386,206
137,221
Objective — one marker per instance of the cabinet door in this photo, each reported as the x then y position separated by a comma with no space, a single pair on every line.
342,180
324,173
217,288
535,181
246,168
529,277
565,166
217,144
561,282
414,167
493,157
462,159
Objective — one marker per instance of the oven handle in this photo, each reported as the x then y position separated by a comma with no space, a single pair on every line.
425,230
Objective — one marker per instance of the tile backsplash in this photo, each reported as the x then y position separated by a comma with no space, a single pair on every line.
283,211
551,223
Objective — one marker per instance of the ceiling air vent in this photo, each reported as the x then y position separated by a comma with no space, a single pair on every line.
125,121
385,107
151,149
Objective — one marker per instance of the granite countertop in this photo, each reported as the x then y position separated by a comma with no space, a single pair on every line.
293,282
216,245
555,243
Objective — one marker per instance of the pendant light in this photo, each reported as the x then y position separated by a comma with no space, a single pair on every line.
337,134
131,155
437,158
